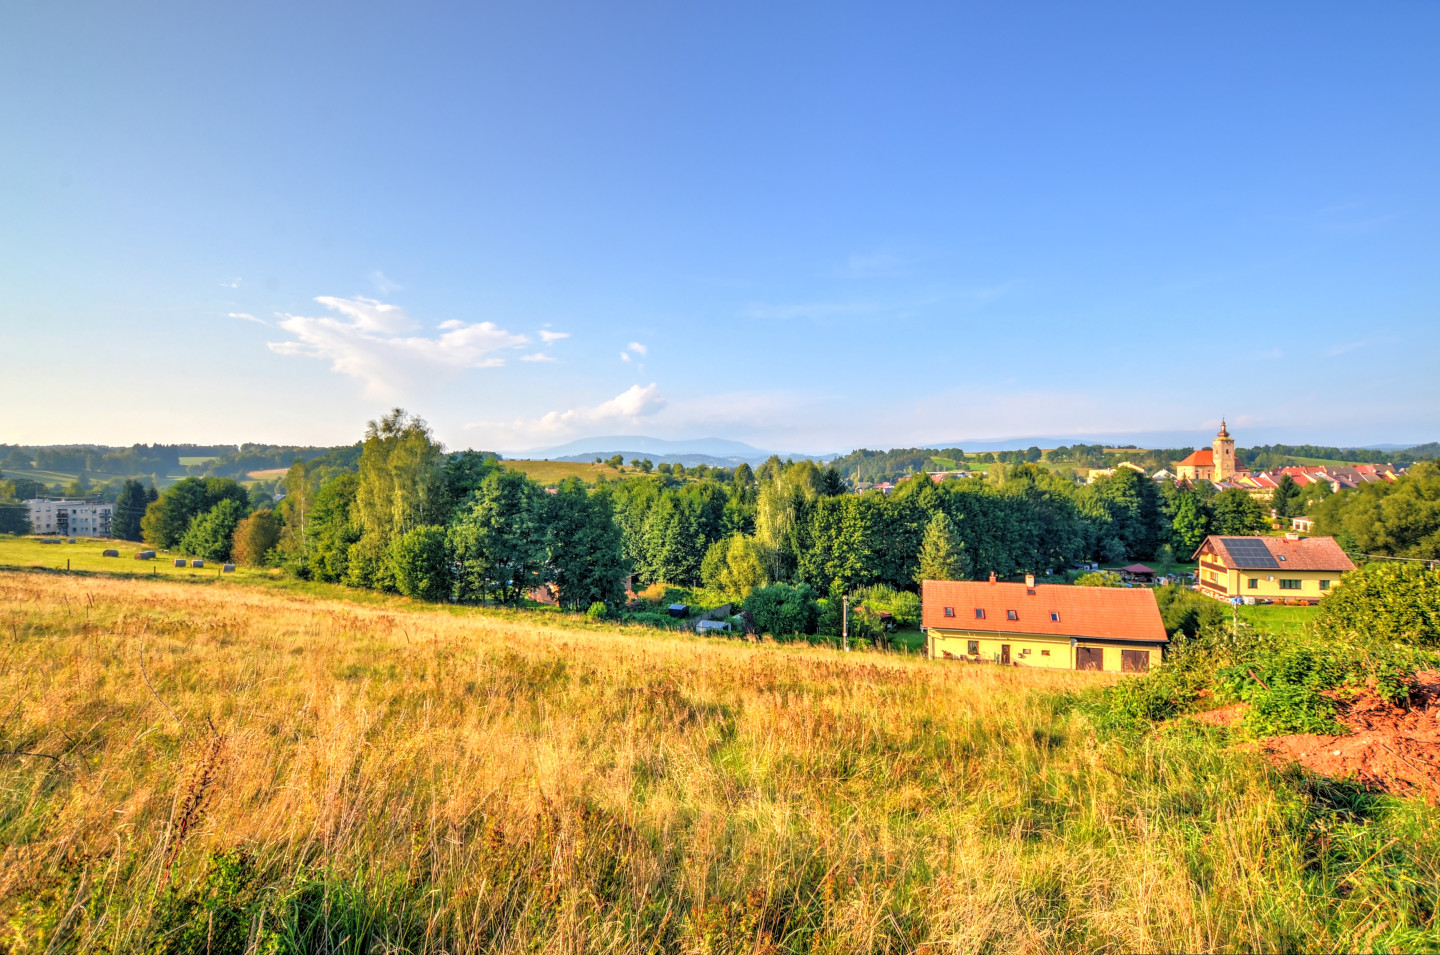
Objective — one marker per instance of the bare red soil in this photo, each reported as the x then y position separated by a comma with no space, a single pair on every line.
1393,748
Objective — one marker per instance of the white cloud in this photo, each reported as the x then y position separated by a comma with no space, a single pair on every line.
624,356
624,409
538,356
549,337
367,343
233,283
246,316
638,348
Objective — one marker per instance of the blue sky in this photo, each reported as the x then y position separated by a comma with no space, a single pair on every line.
808,227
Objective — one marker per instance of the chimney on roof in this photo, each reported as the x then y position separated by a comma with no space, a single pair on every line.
992,576
1030,581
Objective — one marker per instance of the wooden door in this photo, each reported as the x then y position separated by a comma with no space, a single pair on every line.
1134,661
1089,658
1004,654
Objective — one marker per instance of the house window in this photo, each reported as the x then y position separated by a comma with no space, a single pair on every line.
979,613
949,611
1287,583
972,647
1280,556
1324,585
1254,583
1044,653
1054,618
1011,615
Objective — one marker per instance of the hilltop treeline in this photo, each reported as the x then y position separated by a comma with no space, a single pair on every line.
399,513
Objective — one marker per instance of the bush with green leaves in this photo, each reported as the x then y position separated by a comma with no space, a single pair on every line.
1384,601
903,605
1098,578
210,534
597,611
783,610
1185,612
421,564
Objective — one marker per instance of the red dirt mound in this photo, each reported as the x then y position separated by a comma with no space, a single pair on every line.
1392,748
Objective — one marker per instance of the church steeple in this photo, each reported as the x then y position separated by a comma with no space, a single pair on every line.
1223,450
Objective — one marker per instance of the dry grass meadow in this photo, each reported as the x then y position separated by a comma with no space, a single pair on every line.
231,769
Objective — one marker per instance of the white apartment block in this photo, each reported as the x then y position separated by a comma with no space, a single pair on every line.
71,518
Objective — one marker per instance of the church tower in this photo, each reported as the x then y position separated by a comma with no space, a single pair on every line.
1224,454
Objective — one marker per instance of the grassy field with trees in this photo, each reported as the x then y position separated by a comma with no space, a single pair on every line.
234,769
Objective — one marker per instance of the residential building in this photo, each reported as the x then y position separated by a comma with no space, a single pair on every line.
1302,525
1056,626
1267,569
1094,474
1215,463
71,518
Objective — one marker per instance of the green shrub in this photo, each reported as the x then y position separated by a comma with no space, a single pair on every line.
420,563
783,610
1098,578
903,605
597,611
1185,612
1385,601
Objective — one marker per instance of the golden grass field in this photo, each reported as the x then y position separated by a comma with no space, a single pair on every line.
237,769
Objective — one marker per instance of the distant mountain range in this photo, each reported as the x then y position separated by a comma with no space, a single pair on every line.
716,452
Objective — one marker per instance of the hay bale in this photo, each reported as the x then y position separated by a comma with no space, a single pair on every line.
144,555
197,563
229,568
110,553
179,561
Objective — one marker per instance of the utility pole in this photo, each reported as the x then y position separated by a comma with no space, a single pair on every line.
845,621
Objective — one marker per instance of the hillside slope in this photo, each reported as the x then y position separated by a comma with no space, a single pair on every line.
232,765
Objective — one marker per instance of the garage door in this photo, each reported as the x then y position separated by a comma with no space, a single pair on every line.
1134,661
1089,658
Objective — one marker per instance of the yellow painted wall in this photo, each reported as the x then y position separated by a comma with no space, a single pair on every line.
1062,655
1309,583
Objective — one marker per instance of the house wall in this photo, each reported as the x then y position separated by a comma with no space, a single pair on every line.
953,644
1220,581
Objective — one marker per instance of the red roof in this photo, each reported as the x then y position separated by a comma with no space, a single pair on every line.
1205,457
1307,553
1137,569
1114,613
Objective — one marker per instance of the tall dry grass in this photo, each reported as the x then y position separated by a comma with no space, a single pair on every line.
231,770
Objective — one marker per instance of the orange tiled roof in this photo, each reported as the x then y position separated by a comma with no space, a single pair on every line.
1205,457
1115,613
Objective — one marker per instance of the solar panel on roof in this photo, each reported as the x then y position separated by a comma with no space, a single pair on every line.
1248,552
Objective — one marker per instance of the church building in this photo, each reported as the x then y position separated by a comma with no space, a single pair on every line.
1215,463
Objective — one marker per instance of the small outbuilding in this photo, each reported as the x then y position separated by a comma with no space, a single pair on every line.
679,610
1137,574
712,626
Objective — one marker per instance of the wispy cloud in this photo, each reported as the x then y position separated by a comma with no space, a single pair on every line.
1344,348
233,283
549,337
368,342
638,349
383,284
247,317
625,409
538,356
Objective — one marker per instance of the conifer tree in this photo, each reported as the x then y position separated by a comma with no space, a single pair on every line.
942,552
